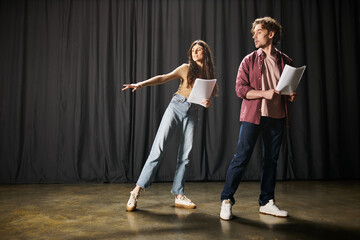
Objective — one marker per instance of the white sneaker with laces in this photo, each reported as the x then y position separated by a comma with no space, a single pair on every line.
225,213
131,204
271,209
184,202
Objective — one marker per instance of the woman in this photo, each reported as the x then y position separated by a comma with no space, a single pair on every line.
179,113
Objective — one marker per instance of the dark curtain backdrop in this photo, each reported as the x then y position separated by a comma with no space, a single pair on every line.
64,118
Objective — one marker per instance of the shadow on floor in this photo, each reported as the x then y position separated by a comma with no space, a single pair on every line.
186,223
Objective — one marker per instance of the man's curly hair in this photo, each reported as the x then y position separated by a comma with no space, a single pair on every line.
269,24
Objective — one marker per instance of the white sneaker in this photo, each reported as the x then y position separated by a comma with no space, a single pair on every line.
271,209
184,202
225,213
131,204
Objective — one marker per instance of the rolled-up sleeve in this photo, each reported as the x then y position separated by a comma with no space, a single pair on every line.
242,80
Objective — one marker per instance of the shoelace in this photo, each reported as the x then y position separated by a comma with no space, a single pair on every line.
134,198
184,198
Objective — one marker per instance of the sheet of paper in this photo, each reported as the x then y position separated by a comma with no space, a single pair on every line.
201,90
289,79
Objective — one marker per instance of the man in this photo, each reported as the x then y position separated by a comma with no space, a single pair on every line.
263,110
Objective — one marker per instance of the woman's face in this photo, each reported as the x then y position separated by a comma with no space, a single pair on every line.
197,53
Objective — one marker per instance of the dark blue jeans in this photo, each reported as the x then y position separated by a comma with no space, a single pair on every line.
272,134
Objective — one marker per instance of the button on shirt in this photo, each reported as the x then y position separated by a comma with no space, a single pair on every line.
249,78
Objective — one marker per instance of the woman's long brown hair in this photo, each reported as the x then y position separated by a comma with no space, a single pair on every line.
208,69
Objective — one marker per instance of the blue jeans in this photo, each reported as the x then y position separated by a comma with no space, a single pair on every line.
179,113
272,134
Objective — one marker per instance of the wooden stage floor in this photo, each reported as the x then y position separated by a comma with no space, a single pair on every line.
318,210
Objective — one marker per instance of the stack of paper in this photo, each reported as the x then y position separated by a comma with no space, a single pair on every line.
201,90
289,79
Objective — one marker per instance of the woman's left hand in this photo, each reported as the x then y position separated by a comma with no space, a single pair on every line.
206,102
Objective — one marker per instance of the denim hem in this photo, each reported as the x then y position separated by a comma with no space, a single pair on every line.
176,193
143,187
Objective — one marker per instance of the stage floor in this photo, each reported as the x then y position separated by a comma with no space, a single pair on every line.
318,210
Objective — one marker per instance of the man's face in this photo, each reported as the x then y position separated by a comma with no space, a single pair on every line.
262,37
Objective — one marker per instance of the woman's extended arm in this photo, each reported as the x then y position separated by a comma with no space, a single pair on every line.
157,80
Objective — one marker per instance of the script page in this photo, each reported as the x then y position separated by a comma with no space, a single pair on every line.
201,90
290,79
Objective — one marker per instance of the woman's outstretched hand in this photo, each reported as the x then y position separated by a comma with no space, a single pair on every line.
206,102
134,86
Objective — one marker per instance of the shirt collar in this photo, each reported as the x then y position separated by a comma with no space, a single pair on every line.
260,52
